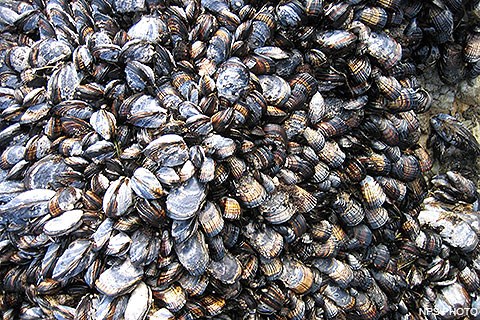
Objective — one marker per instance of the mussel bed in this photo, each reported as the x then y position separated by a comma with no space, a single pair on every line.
236,159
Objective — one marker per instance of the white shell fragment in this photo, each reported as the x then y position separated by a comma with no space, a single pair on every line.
139,302
451,227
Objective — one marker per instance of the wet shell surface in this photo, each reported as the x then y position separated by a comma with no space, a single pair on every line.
275,90
119,278
184,201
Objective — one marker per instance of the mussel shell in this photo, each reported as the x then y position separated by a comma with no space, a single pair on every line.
335,40
250,192
407,168
139,302
45,172
11,156
395,189
232,79
264,239
184,201
227,270
173,297
118,198
104,123
374,17
376,218
349,210
332,155
193,254
169,150
372,193
275,90
278,209
64,223
145,184
384,49
211,219
230,208
70,258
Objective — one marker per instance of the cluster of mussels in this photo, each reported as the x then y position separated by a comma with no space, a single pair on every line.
233,160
